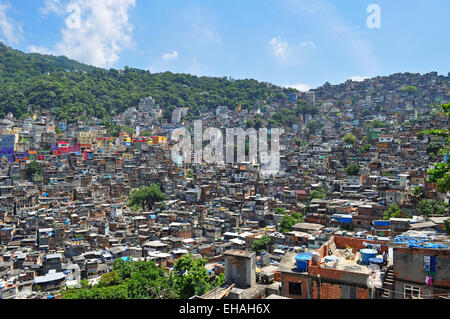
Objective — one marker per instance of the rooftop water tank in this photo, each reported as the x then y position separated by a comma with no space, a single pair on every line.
331,261
302,261
366,254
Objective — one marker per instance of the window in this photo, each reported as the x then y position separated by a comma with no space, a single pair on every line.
295,289
411,292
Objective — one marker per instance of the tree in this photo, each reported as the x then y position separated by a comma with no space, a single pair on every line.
34,168
377,124
304,107
288,221
447,226
313,126
394,212
441,172
145,197
410,89
150,282
190,173
191,277
110,279
353,170
416,194
434,147
262,244
349,139
433,207
128,280
31,82
318,193
250,124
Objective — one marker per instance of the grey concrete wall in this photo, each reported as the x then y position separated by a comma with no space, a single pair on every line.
240,270
410,265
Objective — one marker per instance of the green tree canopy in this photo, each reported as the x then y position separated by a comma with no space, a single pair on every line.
145,280
260,245
192,278
318,193
34,168
377,124
432,207
416,193
441,172
288,221
146,197
394,212
73,91
410,89
353,170
313,126
349,139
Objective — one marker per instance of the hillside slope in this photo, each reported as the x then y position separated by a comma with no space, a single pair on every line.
31,82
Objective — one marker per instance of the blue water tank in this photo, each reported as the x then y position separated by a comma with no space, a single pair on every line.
367,254
302,261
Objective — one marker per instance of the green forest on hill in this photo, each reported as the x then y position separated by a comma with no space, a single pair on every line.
72,90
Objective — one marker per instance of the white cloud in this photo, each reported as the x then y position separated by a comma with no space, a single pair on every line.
302,87
198,68
279,48
41,50
10,30
358,78
95,32
171,56
52,6
207,33
354,40
310,44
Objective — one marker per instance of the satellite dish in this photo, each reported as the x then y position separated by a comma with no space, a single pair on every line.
372,281
373,268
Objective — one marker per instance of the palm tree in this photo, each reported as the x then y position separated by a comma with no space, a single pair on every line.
416,194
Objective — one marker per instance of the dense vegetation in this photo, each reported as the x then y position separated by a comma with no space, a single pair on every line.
145,280
288,220
394,212
353,170
260,245
145,197
441,172
432,207
31,82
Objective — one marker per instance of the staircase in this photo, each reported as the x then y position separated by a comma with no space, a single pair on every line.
331,249
388,283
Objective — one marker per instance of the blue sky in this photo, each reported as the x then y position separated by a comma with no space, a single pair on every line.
298,43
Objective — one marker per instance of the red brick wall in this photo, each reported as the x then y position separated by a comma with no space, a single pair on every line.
362,293
357,243
215,259
297,279
330,291
277,276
